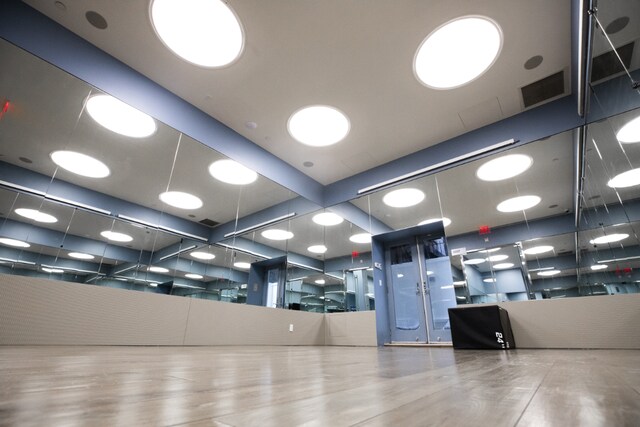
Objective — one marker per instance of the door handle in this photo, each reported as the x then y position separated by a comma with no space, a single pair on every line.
417,288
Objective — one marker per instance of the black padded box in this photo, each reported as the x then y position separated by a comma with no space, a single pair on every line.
481,327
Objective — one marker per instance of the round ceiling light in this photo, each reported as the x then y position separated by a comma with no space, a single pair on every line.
80,255
232,172
403,197
320,282
193,276
13,242
327,219
445,221
548,273
538,250
242,265
458,52
625,179
277,234
179,199
36,215
504,167
202,255
503,265
203,32
80,164
517,204
496,258
317,249
318,125
489,280
158,269
474,261
361,238
598,267
53,270
115,236
630,132
611,238
119,117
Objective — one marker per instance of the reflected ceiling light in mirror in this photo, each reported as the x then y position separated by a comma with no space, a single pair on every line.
361,238
538,250
193,276
204,32
232,172
598,267
496,258
458,52
625,179
277,234
327,219
13,242
202,255
52,270
517,204
320,282
318,125
489,280
459,283
548,273
36,215
80,164
488,251
474,261
630,132
158,269
242,265
121,118
503,265
403,198
80,255
317,249
115,236
611,238
504,167
182,200
445,221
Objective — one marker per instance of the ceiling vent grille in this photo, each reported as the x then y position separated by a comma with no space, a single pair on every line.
209,222
607,64
543,90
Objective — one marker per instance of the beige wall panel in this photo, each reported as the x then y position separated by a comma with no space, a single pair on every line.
352,329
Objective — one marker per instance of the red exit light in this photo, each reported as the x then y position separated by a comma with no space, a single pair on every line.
484,229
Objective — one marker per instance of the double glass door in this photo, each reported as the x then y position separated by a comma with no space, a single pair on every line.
420,290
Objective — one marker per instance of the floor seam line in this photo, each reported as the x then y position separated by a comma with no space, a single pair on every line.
533,395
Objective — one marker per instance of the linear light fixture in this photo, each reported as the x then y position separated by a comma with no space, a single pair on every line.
437,166
17,261
297,264
131,267
162,258
21,188
605,261
244,251
162,227
79,270
262,224
541,269
182,285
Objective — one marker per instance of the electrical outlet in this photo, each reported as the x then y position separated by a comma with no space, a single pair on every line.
290,327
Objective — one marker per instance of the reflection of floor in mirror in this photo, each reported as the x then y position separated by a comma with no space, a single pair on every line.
325,386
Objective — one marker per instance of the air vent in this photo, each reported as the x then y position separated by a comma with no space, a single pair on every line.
209,222
543,89
607,64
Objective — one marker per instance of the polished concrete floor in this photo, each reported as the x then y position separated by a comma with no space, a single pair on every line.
317,386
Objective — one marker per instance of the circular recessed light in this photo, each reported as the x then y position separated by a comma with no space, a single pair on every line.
458,52
489,280
496,258
276,234
630,132
317,249
153,285
625,179
36,215
538,250
598,267
232,172
474,261
548,273
488,251
13,242
504,167
202,255
445,221
119,117
53,270
517,204
80,255
193,276
609,239
320,281
203,32
243,265
361,238
503,265
115,236
327,218
80,164
318,125
403,197
181,200
158,269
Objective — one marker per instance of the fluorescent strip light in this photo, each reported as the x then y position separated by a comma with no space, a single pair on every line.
17,261
77,204
605,261
181,285
162,258
126,269
542,269
305,266
437,166
244,251
334,276
79,270
162,227
262,224
17,187
358,268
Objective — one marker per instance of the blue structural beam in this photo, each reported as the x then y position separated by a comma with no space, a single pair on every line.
360,218
39,35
